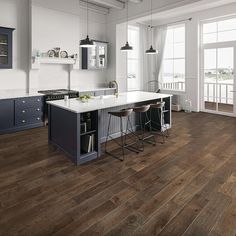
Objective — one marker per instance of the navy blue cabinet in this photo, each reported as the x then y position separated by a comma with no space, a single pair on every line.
28,111
6,114
20,114
6,48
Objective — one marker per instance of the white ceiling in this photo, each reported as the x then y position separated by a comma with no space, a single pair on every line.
108,4
184,10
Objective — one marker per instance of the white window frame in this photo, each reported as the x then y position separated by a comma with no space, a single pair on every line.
217,45
173,59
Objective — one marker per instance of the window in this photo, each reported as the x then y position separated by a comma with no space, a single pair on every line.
219,31
133,59
218,54
173,66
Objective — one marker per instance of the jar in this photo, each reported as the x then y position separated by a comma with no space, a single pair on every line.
188,106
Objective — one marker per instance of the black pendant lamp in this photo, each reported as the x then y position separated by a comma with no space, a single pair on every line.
127,47
151,50
86,43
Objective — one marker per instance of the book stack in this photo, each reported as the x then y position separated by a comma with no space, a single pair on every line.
88,143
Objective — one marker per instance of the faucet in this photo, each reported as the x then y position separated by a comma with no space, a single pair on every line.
114,84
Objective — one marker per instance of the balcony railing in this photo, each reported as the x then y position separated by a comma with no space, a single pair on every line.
221,92
223,95
178,86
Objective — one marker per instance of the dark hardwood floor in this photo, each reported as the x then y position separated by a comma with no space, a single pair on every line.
185,187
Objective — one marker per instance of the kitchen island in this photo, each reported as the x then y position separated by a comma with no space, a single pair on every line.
73,124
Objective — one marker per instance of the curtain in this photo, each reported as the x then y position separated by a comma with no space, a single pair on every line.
150,65
159,38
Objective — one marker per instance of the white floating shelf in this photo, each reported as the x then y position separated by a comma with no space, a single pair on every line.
62,61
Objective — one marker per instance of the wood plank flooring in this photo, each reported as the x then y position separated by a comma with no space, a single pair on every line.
186,186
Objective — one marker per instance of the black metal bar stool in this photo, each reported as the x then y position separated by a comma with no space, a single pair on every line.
123,134
145,125
163,128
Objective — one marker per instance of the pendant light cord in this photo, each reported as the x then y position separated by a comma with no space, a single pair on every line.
87,17
127,16
151,25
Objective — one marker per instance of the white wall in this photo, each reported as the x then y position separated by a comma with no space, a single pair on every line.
54,23
64,27
15,14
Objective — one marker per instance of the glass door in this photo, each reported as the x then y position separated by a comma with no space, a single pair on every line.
218,80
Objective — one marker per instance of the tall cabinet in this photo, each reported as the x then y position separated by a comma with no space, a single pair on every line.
6,48
95,58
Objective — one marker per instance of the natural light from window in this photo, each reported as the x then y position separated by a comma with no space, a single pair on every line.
219,31
133,59
173,67
218,39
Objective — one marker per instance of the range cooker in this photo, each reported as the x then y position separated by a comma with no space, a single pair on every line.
57,94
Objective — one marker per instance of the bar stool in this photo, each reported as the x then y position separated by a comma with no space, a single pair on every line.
160,108
125,113
144,123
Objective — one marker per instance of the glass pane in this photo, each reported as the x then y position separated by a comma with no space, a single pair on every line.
179,73
210,79
210,38
169,51
209,28
225,79
227,25
179,50
210,59
179,34
169,35
92,57
210,96
132,74
3,49
225,65
227,36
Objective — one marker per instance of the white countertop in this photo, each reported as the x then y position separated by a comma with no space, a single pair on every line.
93,89
10,94
18,93
76,106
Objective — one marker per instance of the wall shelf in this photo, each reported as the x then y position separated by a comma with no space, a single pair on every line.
61,61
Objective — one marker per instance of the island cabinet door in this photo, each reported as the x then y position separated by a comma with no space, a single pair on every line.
6,115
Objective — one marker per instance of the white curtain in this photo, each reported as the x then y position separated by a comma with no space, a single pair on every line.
150,65
159,38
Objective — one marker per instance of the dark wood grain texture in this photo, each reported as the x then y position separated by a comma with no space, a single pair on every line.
186,186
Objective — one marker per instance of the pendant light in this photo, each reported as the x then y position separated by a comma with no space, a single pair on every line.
127,47
151,50
86,43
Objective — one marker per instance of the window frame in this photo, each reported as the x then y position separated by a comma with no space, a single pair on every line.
214,20
173,26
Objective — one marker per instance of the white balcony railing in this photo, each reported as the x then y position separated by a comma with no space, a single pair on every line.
211,94
178,86
221,92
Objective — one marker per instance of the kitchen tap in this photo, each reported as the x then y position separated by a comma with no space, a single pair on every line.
114,84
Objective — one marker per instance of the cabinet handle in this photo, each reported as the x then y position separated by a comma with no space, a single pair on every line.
23,101
38,118
23,121
23,111
38,109
38,100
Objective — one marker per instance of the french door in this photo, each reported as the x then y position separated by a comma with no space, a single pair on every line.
218,91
